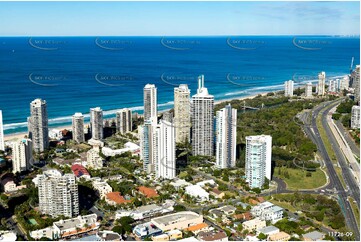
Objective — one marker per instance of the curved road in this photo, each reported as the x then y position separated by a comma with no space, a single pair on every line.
354,191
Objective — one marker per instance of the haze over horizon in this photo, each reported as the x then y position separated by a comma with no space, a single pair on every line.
178,18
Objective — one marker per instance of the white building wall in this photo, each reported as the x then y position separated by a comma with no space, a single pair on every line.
321,84
226,137
78,127
38,125
355,117
22,155
165,150
96,123
182,113
150,103
202,120
289,88
258,159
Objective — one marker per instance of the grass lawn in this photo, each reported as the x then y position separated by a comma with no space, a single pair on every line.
33,221
324,138
284,205
355,210
298,179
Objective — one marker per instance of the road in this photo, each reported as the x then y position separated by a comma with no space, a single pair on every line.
355,148
313,132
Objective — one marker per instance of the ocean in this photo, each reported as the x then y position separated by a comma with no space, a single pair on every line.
74,74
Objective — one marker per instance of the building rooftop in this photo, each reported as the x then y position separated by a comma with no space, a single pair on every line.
147,208
216,191
77,221
88,238
276,209
197,227
175,218
109,235
211,236
148,192
315,235
117,198
227,208
79,170
268,229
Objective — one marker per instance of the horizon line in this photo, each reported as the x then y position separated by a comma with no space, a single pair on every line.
221,35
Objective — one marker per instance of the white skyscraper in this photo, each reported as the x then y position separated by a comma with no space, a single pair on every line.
333,85
344,83
38,125
2,145
22,155
258,159
58,194
146,136
78,127
355,117
165,166
226,133
289,88
202,120
96,123
308,90
150,103
321,84
124,120
182,113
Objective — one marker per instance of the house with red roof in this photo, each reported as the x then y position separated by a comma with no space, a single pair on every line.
79,171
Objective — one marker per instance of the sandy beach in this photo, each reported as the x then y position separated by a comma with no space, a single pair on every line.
18,136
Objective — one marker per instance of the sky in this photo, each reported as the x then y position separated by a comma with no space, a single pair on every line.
178,18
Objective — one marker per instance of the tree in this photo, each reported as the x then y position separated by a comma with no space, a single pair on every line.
125,223
118,229
265,185
179,208
262,236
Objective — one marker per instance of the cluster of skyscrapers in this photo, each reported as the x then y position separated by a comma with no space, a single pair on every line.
193,122
334,85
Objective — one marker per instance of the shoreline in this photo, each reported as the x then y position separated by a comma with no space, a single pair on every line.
18,136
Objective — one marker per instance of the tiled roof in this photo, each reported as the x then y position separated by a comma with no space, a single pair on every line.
197,227
79,170
117,197
148,192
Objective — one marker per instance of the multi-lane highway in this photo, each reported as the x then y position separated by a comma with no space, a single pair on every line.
313,132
